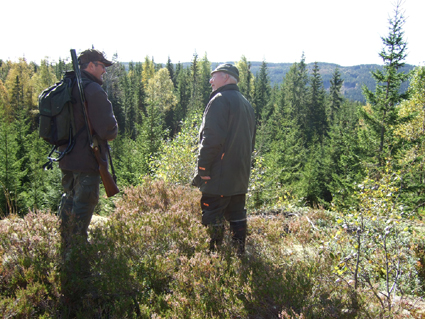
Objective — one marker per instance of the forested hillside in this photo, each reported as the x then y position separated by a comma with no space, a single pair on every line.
312,143
354,76
358,165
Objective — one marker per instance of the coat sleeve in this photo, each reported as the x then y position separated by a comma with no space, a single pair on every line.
213,134
101,113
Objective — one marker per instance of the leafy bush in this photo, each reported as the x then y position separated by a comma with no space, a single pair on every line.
372,248
176,162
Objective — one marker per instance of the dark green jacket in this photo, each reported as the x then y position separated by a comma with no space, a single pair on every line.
227,137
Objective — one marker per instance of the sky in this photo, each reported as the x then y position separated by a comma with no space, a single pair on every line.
334,31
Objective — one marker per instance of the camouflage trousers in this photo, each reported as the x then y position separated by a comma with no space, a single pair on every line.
75,212
79,201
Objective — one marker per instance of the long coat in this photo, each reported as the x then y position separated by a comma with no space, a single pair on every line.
227,137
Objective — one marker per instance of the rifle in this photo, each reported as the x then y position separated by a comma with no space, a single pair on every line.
109,182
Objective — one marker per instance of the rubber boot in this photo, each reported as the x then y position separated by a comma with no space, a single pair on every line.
238,230
216,234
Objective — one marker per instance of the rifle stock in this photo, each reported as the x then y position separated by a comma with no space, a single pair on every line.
108,181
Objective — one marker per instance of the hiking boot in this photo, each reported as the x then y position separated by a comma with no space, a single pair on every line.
216,234
238,230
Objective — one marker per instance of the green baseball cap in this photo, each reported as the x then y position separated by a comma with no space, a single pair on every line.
229,69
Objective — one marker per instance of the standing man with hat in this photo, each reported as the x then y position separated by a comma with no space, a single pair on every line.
80,170
227,136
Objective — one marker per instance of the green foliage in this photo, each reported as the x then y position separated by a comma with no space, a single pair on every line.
10,174
151,136
354,77
313,185
148,254
177,160
197,81
127,94
127,158
246,78
372,247
183,94
42,79
262,92
335,97
316,118
295,93
280,160
42,190
382,115
344,152
411,135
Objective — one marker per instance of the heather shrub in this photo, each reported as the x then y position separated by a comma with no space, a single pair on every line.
149,259
29,250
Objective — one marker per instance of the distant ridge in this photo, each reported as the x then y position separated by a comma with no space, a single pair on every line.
354,76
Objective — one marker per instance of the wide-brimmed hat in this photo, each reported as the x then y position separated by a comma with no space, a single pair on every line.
92,55
229,69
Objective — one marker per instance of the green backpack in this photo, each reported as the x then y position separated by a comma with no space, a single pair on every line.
57,125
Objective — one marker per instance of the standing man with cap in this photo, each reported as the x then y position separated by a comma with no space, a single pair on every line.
80,170
227,136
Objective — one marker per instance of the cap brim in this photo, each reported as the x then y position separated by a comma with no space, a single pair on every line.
107,63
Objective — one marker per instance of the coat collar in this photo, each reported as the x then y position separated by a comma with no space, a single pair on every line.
227,87
89,76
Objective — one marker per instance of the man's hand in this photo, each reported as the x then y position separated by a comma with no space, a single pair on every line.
205,177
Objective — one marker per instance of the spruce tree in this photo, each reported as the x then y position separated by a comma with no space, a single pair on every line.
262,93
343,150
204,79
170,68
10,163
315,175
40,190
183,93
130,159
60,68
335,96
383,113
295,89
151,136
316,107
283,152
196,94
131,103
115,83
269,125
